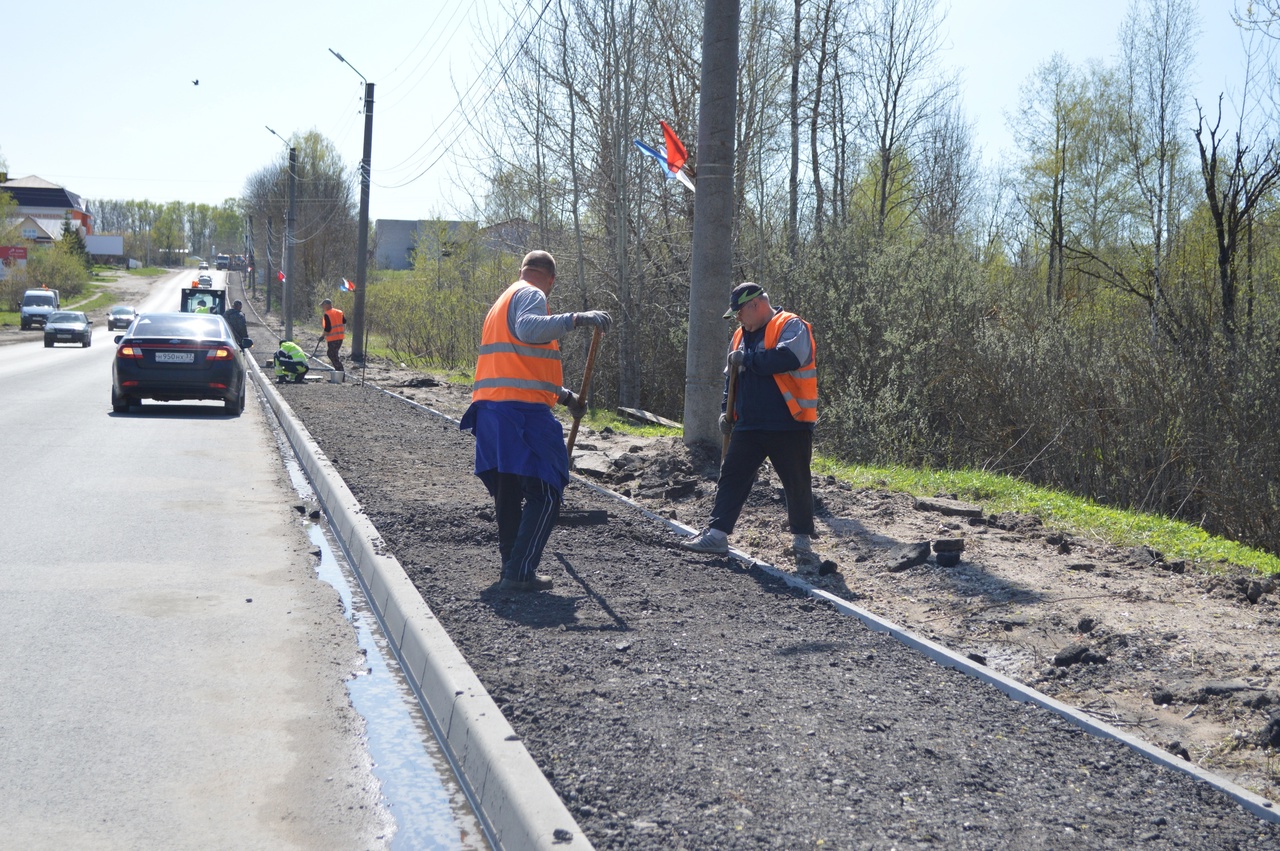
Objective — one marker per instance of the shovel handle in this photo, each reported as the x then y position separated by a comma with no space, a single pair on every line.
586,384
729,403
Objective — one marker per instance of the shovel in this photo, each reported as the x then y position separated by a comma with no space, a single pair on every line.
583,517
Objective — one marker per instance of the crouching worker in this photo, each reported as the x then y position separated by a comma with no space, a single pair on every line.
520,451
291,363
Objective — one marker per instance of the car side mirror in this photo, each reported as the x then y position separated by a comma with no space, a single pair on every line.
246,343
119,337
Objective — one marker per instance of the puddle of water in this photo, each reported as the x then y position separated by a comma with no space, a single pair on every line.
422,794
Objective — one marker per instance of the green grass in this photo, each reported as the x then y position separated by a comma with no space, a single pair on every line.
94,298
148,271
1077,515
600,419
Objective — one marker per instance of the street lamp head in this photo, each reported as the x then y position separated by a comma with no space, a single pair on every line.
343,60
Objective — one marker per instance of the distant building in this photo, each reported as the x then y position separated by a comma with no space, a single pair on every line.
44,206
395,240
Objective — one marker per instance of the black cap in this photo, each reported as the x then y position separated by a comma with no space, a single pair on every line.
742,294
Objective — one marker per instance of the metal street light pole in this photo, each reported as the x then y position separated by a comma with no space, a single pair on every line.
289,223
362,237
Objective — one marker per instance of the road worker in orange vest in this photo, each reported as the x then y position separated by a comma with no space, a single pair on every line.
775,408
335,330
520,450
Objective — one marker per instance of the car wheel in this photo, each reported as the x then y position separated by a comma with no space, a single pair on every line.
88,341
119,404
235,407
48,344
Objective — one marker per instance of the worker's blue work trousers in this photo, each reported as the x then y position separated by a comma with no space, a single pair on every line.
527,509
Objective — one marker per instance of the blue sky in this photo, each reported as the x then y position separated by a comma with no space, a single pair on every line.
101,98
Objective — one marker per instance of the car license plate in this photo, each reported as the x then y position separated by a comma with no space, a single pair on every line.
64,336
175,357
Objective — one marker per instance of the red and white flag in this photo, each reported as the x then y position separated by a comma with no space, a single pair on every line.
347,286
280,275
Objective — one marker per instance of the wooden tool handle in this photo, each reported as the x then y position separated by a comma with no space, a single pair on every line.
586,385
729,403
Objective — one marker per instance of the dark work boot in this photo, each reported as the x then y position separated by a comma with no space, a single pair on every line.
537,583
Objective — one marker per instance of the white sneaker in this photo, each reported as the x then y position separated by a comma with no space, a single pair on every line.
707,541
801,544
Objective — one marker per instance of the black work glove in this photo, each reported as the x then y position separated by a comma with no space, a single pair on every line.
577,407
736,357
726,425
593,319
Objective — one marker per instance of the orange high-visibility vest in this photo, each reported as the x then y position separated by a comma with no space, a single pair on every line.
800,386
509,370
337,324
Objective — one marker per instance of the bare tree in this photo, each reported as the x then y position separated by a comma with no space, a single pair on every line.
947,174
898,73
324,232
1236,180
1051,106
1157,52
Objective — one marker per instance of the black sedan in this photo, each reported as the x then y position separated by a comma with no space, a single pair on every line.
119,317
68,326
178,356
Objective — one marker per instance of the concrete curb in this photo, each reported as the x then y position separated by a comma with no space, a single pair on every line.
514,798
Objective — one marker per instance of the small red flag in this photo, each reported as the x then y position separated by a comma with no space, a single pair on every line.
676,154
280,275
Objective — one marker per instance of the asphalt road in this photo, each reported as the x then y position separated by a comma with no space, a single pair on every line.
173,669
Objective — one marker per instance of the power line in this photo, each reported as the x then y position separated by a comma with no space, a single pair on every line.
436,136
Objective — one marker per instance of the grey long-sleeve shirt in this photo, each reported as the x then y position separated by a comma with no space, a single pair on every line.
528,320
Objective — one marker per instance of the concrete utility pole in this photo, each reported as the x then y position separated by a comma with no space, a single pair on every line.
362,237
289,225
270,271
712,266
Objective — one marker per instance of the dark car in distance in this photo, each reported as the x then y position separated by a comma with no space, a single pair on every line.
171,357
68,326
119,317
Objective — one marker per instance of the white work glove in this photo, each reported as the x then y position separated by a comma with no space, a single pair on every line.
726,425
593,319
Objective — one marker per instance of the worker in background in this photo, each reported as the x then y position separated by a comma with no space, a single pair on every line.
290,362
202,306
335,329
520,451
235,318
776,406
